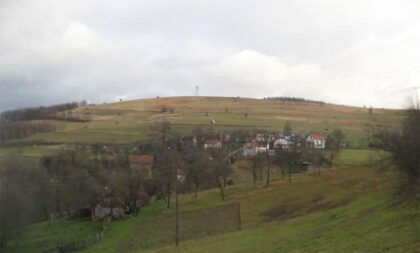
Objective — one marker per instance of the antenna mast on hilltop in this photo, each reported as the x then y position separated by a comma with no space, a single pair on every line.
196,90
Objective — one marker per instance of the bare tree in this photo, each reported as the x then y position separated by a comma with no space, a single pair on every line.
404,145
219,170
288,158
197,168
160,131
14,211
129,187
268,168
15,203
287,129
334,143
167,164
257,164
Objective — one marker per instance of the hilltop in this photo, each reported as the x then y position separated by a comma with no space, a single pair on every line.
131,121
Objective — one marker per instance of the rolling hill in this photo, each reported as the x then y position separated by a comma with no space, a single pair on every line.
131,121
351,207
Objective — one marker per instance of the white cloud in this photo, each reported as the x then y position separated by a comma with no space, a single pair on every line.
353,52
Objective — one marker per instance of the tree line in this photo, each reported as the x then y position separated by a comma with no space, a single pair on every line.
34,113
403,145
70,182
21,123
56,187
18,130
296,99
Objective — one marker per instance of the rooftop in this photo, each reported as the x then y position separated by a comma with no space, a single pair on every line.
144,159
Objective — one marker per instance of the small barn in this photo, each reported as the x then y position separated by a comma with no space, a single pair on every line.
107,206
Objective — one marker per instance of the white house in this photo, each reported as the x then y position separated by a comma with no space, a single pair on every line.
180,176
316,140
260,137
253,148
212,144
283,143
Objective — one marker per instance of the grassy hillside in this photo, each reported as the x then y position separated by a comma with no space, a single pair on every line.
30,152
370,224
131,121
349,208
45,235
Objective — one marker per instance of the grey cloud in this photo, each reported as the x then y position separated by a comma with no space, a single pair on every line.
353,52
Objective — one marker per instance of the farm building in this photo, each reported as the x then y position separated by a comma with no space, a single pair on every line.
189,140
142,164
281,143
212,144
107,205
316,140
260,137
253,148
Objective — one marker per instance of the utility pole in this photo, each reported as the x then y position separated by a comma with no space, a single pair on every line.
176,214
268,166
178,180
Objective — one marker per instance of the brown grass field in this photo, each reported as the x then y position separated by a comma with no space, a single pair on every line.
130,121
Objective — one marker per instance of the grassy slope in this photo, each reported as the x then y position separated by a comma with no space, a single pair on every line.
130,121
33,153
370,224
43,235
350,209
311,212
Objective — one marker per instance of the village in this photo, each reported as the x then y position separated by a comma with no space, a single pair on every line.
259,143
247,147
209,126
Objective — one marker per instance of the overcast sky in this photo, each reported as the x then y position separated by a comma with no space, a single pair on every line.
363,52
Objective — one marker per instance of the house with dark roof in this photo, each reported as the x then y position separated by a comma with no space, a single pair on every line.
142,164
106,205
189,140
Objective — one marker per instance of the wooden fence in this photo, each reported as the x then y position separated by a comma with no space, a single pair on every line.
80,245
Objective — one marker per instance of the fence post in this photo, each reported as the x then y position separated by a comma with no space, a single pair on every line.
238,214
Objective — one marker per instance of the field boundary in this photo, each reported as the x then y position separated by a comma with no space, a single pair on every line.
193,224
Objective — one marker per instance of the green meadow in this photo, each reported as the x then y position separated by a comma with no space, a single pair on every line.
351,207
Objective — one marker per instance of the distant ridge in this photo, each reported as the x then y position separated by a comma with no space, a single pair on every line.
296,99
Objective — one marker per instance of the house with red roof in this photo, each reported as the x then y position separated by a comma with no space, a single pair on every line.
142,164
316,140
